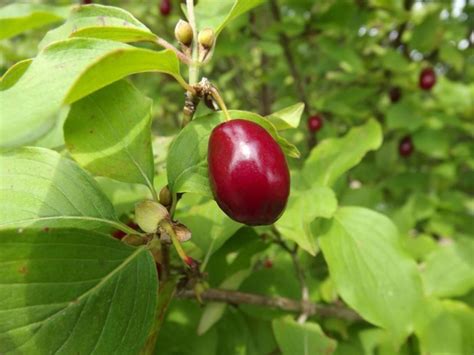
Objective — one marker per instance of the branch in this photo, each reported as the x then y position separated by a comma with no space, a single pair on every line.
285,43
282,303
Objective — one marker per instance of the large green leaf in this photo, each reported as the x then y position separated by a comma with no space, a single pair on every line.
449,271
72,291
187,157
447,328
18,18
371,271
303,208
42,189
302,339
99,21
217,14
65,72
109,134
334,156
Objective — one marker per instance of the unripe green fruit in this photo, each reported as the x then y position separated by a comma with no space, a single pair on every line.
183,32
148,214
206,38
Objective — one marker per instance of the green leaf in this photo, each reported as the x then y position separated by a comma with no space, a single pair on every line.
187,157
287,118
303,339
427,35
18,18
74,291
371,271
404,115
97,21
434,143
447,328
302,209
214,311
449,271
334,156
65,72
210,226
109,134
217,15
42,189
14,73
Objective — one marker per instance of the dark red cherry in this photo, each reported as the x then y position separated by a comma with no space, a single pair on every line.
315,123
427,78
165,7
395,94
405,147
120,234
248,173
86,2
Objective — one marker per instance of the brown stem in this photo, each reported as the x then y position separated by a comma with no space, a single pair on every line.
285,44
165,261
282,303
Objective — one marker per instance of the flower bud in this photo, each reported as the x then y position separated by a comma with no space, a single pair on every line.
135,240
148,214
183,32
206,38
165,196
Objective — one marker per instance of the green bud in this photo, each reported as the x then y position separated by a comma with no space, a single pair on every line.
206,38
148,214
183,32
165,196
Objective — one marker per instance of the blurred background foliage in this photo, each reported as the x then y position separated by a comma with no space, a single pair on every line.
342,58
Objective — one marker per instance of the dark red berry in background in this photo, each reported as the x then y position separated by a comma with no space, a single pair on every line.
86,2
165,7
395,94
268,264
315,123
427,78
405,147
120,234
248,173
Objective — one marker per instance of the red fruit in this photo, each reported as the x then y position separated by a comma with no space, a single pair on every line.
395,94
86,2
120,234
248,173
165,7
315,123
405,147
268,264
427,78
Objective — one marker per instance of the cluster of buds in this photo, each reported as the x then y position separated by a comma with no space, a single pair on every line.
183,33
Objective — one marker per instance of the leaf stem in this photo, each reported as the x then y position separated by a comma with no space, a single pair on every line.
165,44
215,94
166,225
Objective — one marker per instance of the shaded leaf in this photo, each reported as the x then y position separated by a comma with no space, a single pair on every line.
109,134
42,189
57,282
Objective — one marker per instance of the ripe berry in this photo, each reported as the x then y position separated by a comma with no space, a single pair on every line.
395,94
268,264
405,147
427,78
165,7
120,234
315,123
86,2
248,173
